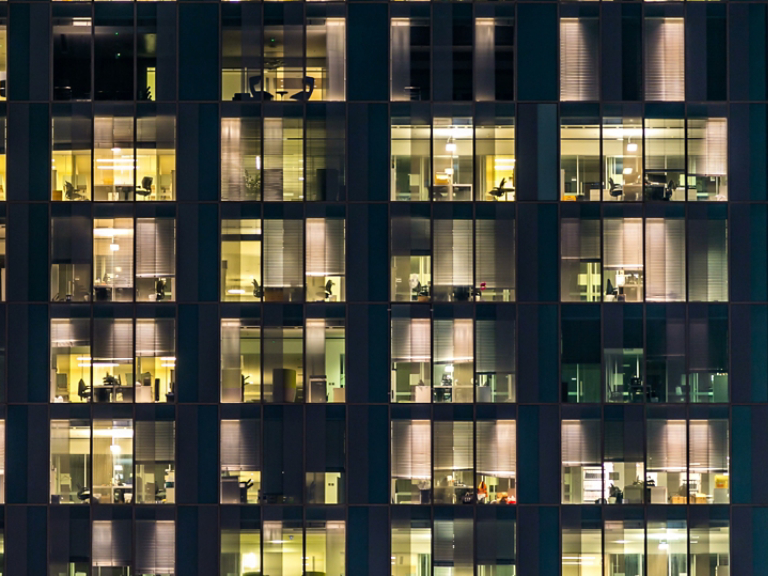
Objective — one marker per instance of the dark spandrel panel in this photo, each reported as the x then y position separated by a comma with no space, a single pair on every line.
198,52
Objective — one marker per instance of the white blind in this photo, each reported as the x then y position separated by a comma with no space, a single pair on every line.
667,445
70,332
664,59
708,150
283,253
453,253
495,250
453,340
155,441
707,260
665,259
112,339
155,247
335,43
623,243
496,448
580,442
579,62
240,444
155,337
325,247
708,446
453,446
111,543
580,239
411,449
411,340
495,350
155,547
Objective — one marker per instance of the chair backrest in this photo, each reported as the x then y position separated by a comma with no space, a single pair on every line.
253,83
146,182
306,93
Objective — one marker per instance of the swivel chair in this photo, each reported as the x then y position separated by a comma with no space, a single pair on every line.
146,187
306,93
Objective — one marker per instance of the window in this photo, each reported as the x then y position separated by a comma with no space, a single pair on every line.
70,461
665,254
666,362
580,262
240,461
708,258
113,370
72,30
495,261
496,472
494,57
411,355
240,546
283,547
325,266
452,54
495,356
579,58
155,462
411,542
581,545
155,547
580,158
411,257
454,542
580,353
240,361
155,259
71,257
623,354
113,259
453,462
241,159
156,359
113,479
625,543
284,363
496,531
112,542
71,360
664,43
410,54
623,457
582,462
708,353
284,157
623,259
411,156
71,152
325,350
453,249
623,158
453,350
664,159
452,158
325,150
241,243
411,462
241,53
283,260
707,159
495,157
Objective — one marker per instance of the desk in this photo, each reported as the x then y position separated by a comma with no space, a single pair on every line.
108,393
282,93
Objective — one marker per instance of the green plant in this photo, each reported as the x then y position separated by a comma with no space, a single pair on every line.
252,184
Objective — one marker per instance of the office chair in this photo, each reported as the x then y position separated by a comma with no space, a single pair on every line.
610,290
614,189
500,190
258,291
84,493
253,82
146,187
83,391
329,288
671,187
71,193
159,289
306,93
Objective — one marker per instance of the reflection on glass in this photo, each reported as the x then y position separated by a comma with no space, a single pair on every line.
241,260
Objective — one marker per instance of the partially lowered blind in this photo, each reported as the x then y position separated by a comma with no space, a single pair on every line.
283,253
325,247
708,147
708,445
623,243
453,340
579,62
70,332
240,140
155,337
664,59
411,340
665,259
410,236
453,446
580,442
495,253
496,448
155,247
411,449
453,252
707,260
495,350
111,543
155,441
112,339
240,445
580,239
155,547
667,445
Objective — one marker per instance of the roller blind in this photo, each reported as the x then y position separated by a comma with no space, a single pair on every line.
707,260
623,243
453,545
453,253
72,240
666,445
283,253
411,449
580,442
66,333
453,446
325,247
411,340
112,339
580,239
155,337
708,147
453,340
111,543
664,59
496,448
708,447
240,445
579,63
155,547
665,259
155,441
410,236
495,251
495,350
155,247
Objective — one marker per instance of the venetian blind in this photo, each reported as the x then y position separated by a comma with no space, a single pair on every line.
707,260
453,252
72,240
708,150
155,547
580,442
283,253
66,333
667,445
708,445
495,251
411,449
453,446
155,337
240,161
579,62
665,259
325,247
155,247
240,445
664,59
400,62
155,441
112,339
495,349
496,448
411,340
453,545
410,236
580,239
111,543
623,243
453,340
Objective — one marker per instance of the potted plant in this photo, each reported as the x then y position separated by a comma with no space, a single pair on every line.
252,185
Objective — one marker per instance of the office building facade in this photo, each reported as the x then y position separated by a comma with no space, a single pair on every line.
400,288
